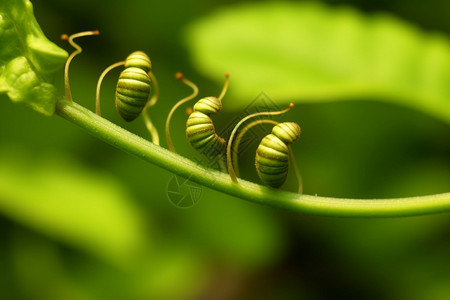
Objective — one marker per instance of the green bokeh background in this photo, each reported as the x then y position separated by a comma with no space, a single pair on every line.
83,220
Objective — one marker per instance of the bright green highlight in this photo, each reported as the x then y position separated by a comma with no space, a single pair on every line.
87,210
124,140
308,52
28,61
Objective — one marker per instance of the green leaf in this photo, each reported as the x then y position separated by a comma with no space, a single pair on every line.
28,60
307,52
57,197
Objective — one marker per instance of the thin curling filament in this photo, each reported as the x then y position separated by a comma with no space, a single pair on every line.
230,142
77,51
194,94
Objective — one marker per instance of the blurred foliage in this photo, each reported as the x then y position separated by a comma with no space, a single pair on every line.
81,207
81,220
312,53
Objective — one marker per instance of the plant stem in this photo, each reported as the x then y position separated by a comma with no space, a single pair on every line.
133,144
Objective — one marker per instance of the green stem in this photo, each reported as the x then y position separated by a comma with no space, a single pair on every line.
182,166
